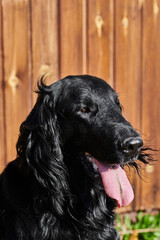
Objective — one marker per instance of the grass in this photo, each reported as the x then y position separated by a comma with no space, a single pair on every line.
145,227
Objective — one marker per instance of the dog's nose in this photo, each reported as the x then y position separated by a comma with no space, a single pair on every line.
132,144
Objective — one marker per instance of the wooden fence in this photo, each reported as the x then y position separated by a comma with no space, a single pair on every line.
117,40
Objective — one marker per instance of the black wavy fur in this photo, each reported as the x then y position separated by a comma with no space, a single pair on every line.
48,192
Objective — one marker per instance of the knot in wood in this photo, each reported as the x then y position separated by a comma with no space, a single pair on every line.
13,81
44,69
99,22
149,168
155,8
125,22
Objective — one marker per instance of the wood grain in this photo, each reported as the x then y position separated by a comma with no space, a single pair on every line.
100,40
128,69
16,69
2,126
45,50
70,37
150,190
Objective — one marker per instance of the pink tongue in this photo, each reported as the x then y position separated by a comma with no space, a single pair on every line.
116,184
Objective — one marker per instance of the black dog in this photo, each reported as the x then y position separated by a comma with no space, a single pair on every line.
68,175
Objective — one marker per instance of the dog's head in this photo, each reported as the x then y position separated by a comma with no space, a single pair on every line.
80,114
92,121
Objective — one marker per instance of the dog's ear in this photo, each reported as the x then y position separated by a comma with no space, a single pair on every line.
39,142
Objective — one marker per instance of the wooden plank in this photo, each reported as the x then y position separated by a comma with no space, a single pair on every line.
2,128
70,37
150,190
128,70
16,69
44,39
100,39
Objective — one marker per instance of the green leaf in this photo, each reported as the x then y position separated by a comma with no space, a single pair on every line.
126,237
139,216
127,222
142,222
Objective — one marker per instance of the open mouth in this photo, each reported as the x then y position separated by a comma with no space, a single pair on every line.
114,179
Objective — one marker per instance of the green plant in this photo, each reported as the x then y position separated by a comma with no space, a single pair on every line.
146,227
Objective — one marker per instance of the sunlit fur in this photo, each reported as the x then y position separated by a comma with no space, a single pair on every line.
47,193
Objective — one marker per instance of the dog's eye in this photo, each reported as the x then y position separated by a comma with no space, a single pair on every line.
85,110
118,103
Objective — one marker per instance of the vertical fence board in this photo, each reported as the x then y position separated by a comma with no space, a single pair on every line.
100,39
150,191
44,39
70,37
16,65
128,68
2,144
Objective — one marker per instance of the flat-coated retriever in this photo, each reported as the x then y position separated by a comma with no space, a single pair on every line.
68,175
